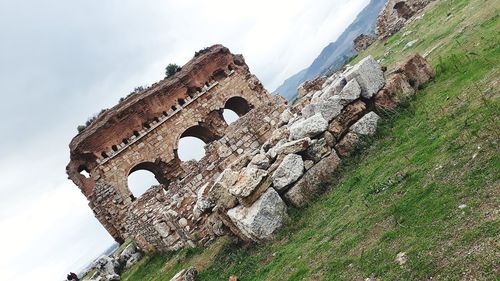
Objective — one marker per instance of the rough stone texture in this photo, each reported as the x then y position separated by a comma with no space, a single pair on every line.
347,144
309,127
289,171
349,116
188,274
334,88
395,14
367,125
369,76
290,147
317,150
248,180
311,86
417,70
134,258
309,185
219,192
362,42
261,220
106,269
260,161
396,90
130,250
280,134
285,117
328,108
350,92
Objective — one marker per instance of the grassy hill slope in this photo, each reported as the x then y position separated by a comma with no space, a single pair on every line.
427,184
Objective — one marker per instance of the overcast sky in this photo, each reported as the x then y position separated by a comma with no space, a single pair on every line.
62,61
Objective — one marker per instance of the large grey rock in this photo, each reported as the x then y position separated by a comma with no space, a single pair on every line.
261,220
107,268
309,127
327,108
280,134
309,185
317,150
295,146
350,92
188,274
335,88
369,76
248,180
219,192
367,125
285,117
260,161
288,172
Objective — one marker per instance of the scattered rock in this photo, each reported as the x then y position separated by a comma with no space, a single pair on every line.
369,76
262,219
289,171
260,161
410,44
401,258
347,144
248,180
327,108
290,147
309,127
134,258
127,253
219,192
367,125
310,183
417,70
317,150
351,92
362,42
233,278
349,116
462,206
396,90
186,275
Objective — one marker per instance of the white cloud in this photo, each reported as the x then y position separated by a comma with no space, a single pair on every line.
61,61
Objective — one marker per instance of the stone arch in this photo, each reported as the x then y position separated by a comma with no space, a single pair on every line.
239,105
192,141
154,168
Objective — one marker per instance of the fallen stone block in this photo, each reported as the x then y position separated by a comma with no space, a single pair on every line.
328,108
261,220
290,147
396,90
248,180
417,70
367,125
309,185
188,274
261,161
309,127
219,192
369,76
289,171
351,113
317,150
347,144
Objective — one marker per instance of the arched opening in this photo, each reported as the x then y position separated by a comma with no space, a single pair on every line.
114,148
173,108
230,116
136,133
181,102
239,105
125,141
192,142
142,177
84,171
104,154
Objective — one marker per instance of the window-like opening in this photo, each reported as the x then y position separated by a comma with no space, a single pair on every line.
136,133
230,67
146,125
239,105
144,176
219,74
229,116
165,113
125,141
181,102
84,171
192,142
104,154
114,147
403,10
174,108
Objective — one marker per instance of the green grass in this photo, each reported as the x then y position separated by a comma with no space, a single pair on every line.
400,191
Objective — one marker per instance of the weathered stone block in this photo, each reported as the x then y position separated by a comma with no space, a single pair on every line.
369,76
367,125
289,171
349,116
309,127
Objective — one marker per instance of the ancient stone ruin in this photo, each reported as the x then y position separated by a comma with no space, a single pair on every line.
362,42
396,14
273,156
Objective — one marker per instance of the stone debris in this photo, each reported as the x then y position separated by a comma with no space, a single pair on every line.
188,274
367,125
309,127
401,258
289,171
369,76
262,219
274,155
362,42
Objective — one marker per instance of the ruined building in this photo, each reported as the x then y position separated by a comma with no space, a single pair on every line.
396,14
273,156
143,132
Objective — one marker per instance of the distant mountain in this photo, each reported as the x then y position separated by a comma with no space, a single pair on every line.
336,53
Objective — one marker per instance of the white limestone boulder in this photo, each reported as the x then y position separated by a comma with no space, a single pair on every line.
261,220
309,127
367,125
261,161
369,76
248,180
288,172
350,92
327,108
290,147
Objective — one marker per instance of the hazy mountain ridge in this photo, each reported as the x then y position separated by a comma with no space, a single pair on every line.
337,52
